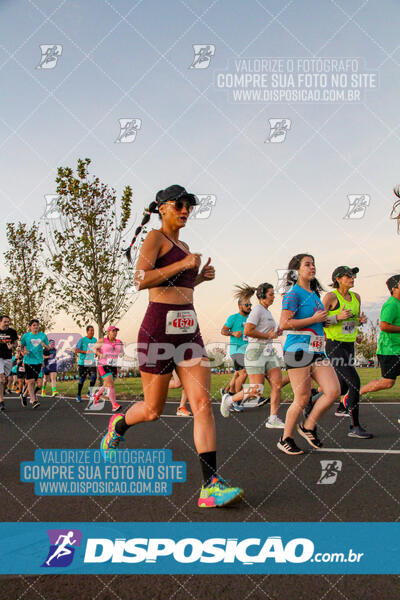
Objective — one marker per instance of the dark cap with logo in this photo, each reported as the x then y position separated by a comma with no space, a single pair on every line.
344,270
175,192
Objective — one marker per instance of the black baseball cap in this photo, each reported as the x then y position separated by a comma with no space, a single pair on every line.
344,270
175,192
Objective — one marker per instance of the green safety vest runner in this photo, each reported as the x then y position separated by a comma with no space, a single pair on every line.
344,331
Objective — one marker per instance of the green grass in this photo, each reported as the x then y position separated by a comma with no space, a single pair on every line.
132,386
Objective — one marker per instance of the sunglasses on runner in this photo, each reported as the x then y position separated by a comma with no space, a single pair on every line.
179,204
247,305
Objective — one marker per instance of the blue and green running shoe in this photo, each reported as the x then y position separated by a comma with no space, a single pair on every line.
110,442
218,493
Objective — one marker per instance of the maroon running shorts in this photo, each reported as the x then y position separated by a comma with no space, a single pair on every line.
169,334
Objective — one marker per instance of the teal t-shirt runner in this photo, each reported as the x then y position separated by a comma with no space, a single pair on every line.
389,343
33,343
85,344
236,322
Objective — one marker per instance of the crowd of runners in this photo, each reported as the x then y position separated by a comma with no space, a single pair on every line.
320,332
26,365
319,346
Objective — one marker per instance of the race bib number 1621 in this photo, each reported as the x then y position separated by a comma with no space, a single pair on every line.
181,321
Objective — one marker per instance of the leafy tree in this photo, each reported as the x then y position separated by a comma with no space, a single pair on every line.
27,292
86,247
369,341
5,300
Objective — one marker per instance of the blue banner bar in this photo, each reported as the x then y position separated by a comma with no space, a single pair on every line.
209,548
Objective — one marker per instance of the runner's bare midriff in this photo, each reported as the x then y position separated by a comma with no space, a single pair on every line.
173,295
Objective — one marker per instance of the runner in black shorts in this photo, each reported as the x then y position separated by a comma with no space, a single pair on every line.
33,344
8,342
388,350
302,317
234,328
86,361
20,370
108,350
341,330
169,338
238,362
50,369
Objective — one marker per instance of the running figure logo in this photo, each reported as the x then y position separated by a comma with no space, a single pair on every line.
358,204
51,211
92,404
330,471
202,56
62,547
281,283
204,207
50,55
128,130
278,129
65,344
137,277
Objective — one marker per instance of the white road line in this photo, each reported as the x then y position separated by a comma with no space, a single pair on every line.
119,401
216,402
359,450
103,414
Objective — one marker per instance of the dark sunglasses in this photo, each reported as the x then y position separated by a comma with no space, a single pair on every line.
247,305
179,204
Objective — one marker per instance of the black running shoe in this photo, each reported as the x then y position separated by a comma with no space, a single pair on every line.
35,404
262,401
288,446
341,411
23,399
2,406
310,435
359,432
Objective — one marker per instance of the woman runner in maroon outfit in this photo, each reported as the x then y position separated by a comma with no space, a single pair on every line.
169,338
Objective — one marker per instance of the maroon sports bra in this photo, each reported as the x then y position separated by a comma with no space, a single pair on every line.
183,278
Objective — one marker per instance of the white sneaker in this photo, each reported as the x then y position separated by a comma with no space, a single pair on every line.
226,403
274,422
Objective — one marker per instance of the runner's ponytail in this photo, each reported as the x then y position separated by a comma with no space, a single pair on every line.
243,292
153,209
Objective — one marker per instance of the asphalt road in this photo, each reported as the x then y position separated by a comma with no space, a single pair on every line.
277,488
